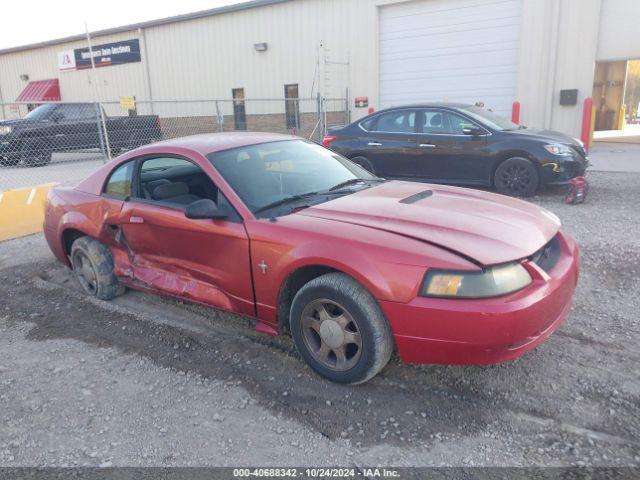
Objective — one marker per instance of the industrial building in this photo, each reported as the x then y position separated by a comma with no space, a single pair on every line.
549,55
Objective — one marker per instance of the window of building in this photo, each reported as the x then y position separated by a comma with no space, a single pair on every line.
292,106
239,112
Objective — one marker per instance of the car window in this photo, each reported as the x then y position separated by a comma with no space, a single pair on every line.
175,182
403,121
441,122
163,163
458,123
120,181
82,111
268,172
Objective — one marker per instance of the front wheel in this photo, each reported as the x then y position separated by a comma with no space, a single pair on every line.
340,330
516,177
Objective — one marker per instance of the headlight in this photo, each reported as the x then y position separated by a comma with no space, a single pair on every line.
491,282
559,149
5,130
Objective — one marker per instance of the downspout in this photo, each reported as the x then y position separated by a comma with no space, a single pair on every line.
143,37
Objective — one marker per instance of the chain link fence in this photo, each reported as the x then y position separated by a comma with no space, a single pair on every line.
64,142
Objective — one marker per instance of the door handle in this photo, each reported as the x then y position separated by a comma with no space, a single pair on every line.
136,220
427,145
374,144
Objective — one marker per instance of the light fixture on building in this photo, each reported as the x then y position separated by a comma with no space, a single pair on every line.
261,47
24,77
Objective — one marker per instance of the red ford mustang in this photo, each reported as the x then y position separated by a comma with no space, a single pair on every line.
308,243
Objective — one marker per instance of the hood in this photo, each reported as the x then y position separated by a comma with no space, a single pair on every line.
549,135
487,228
19,122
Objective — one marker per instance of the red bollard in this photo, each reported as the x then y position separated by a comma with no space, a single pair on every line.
371,110
515,112
587,112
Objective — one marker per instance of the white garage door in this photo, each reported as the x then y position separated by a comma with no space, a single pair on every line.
450,50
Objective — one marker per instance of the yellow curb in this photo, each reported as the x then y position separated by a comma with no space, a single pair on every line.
22,211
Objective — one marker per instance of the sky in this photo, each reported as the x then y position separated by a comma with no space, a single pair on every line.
32,21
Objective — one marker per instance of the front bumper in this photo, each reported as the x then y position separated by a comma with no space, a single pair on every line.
460,331
560,172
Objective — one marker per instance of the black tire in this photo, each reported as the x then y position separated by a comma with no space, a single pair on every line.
351,316
517,177
93,267
36,153
364,163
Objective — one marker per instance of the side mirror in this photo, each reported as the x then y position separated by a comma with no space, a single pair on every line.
202,209
475,131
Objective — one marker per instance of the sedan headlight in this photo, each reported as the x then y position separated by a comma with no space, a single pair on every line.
5,130
559,149
491,282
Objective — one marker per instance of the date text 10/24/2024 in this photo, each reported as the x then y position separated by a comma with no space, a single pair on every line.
315,473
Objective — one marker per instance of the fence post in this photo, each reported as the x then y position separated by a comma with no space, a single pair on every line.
103,147
347,105
320,117
218,122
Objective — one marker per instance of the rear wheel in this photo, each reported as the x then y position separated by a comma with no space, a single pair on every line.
364,163
93,267
340,330
517,177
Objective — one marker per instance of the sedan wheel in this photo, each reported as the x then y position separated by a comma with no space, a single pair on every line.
340,330
517,177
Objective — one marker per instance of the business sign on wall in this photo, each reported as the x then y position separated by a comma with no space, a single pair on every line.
105,55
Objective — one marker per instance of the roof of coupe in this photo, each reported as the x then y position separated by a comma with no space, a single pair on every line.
207,143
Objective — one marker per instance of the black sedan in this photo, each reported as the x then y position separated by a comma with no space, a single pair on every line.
459,144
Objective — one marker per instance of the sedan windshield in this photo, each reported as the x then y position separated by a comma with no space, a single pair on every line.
269,175
43,111
490,119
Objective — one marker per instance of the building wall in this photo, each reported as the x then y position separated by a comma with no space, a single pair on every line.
42,63
206,58
619,30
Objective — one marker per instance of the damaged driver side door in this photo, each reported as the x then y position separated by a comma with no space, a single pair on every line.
205,260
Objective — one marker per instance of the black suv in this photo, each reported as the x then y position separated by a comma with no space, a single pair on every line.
459,144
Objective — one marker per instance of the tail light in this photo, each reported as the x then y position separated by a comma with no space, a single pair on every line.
326,141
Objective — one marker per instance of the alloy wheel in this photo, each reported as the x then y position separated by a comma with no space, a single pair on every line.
516,178
331,335
85,272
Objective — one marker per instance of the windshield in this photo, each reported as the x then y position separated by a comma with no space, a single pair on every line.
43,111
490,119
270,173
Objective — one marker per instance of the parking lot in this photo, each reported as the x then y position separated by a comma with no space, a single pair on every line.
148,381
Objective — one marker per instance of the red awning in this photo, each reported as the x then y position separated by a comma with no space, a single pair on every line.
40,91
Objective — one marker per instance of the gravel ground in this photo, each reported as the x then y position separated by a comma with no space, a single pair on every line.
148,381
